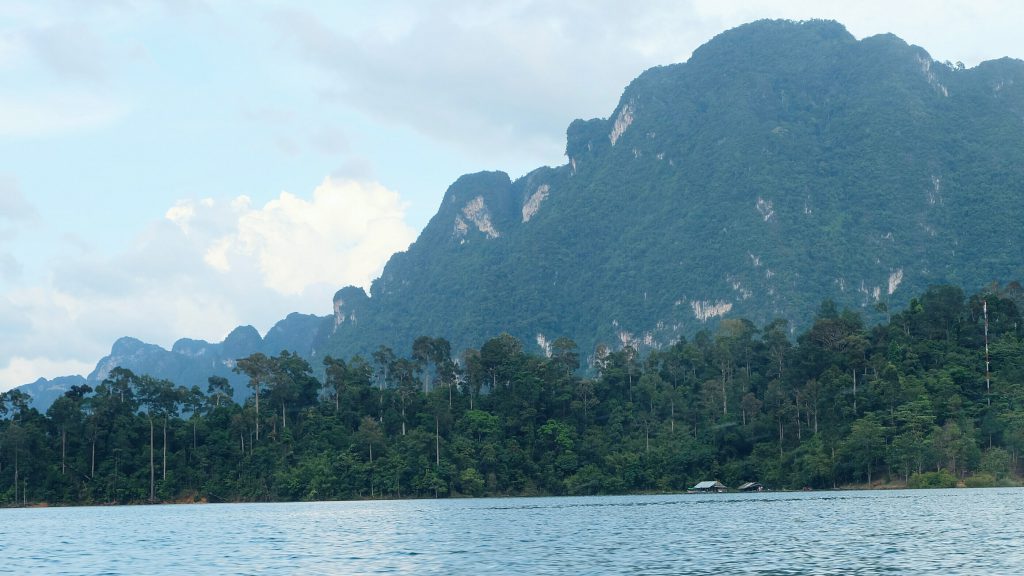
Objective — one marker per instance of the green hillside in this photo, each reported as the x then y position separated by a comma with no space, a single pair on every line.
783,164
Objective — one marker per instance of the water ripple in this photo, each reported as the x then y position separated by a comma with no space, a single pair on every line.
938,532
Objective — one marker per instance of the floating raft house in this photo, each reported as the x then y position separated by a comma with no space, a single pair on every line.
709,486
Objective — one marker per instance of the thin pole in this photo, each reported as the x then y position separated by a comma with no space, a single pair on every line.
988,380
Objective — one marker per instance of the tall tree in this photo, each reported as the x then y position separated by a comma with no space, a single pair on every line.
259,369
219,389
161,399
66,412
335,378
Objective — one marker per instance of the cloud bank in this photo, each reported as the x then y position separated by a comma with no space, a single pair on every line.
499,77
203,269
490,78
353,226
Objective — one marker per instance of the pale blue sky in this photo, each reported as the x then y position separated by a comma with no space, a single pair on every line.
176,168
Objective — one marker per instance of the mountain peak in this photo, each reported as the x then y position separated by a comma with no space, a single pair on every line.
764,41
127,345
783,164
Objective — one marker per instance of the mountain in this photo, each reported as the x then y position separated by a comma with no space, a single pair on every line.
44,391
191,362
783,164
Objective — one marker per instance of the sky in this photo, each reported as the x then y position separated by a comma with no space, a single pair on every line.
177,168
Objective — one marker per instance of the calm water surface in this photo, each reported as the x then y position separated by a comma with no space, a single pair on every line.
899,532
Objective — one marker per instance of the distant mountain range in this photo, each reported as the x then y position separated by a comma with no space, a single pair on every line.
783,164
191,362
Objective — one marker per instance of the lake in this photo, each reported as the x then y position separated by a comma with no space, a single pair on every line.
907,531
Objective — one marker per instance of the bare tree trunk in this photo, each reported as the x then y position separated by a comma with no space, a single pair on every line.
855,391
798,423
63,447
164,473
152,466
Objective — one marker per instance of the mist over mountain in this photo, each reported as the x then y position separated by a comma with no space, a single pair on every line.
785,163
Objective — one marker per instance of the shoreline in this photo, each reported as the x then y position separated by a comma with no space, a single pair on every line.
874,487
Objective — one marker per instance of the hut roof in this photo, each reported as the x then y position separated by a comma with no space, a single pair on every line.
708,485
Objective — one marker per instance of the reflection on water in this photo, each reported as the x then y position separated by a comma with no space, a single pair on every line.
936,531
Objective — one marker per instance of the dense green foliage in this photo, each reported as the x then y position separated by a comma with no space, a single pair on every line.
785,163
907,401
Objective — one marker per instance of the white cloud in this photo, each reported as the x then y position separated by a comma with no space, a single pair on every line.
241,203
181,214
290,254
343,235
217,254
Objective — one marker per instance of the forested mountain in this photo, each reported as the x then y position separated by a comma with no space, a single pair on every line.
191,360
783,164
909,402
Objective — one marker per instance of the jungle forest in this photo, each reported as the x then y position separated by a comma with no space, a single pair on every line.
934,396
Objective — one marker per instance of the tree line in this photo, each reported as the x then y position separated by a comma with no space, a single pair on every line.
933,397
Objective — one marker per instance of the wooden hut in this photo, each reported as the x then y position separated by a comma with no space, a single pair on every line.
709,487
751,487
